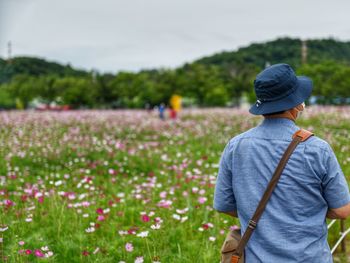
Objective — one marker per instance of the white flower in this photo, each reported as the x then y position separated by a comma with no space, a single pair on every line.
90,229
156,226
44,248
212,239
183,219
182,211
49,254
121,195
122,233
143,234
176,216
139,260
3,229
58,183
106,211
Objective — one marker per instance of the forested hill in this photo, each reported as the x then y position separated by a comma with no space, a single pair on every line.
35,67
218,80
286,50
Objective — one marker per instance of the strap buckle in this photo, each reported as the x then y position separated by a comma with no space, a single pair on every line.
235,259
252,224
303,135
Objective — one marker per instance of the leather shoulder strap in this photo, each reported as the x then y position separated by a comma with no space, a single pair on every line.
303,134
299,136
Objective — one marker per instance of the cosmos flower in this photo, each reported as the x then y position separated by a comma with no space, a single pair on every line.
129,247
38,253
139,260
143,234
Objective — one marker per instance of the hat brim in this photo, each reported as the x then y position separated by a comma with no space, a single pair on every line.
301,94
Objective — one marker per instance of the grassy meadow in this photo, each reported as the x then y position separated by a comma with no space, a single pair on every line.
125,186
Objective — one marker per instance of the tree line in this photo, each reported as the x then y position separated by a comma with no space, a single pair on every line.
219,80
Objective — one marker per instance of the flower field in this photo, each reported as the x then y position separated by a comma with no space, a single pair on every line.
124,186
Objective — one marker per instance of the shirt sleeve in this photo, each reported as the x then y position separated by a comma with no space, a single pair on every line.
224,199
335,187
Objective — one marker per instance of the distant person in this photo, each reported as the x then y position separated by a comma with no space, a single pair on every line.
148,107
173,113
312,186
161,110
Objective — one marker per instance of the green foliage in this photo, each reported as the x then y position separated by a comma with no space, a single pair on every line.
287,50
217,80
331,81
34,67
6,100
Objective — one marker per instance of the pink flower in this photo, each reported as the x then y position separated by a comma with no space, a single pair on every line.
21,243
234,227
163,195
129,247
8,202
145,218
101,218
38,253
202,199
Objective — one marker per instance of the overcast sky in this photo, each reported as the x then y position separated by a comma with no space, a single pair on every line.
113,35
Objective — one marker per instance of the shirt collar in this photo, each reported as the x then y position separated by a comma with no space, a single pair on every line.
278,121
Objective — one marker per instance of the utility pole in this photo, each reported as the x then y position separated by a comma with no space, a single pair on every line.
9,51
303,52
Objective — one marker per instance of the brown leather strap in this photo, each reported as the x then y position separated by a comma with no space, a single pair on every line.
299,136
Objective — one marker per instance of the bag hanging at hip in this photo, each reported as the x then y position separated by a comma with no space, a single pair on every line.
232,250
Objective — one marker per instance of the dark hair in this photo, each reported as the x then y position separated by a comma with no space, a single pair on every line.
274,113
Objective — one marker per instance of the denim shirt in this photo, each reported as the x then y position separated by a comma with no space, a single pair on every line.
293,226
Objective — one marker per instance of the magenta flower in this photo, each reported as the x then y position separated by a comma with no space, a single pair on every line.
145,218
38,253
28,251
8,203
99,211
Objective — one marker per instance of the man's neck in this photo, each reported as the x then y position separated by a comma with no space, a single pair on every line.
290,114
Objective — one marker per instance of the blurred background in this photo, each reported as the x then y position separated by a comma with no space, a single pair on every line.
107,54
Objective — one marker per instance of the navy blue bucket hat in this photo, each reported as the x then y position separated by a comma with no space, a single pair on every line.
277,88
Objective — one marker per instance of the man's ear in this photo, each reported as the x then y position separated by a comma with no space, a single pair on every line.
300,107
